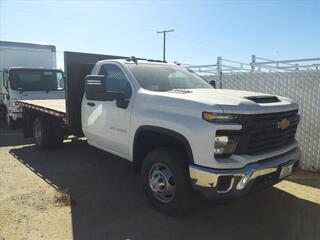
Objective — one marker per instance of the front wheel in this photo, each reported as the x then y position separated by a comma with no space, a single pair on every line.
165,177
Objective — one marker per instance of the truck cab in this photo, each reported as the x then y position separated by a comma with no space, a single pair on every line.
28,83
28,71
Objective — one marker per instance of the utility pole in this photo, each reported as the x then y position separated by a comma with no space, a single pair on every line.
164,41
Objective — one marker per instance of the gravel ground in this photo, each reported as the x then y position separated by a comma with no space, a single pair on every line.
79,192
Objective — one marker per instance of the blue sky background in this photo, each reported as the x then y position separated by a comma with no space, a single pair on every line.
204,30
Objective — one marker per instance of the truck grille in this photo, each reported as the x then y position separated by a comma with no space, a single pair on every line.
265,132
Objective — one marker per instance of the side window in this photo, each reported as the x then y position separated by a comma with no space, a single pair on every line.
116,81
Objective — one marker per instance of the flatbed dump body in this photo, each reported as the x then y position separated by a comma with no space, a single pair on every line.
56,107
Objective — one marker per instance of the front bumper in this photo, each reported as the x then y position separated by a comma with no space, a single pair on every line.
15,115
230,183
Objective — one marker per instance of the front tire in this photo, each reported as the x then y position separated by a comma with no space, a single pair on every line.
165,177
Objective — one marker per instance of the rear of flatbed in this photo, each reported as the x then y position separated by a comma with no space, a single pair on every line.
47,116
55,107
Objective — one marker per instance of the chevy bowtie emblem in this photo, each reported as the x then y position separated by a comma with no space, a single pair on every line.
284,124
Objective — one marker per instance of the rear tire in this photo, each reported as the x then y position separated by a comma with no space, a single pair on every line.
166,180
43,134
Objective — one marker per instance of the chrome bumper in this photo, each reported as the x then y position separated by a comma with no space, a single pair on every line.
208,179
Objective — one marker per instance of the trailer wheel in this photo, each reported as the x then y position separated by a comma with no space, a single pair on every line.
43,134
165,177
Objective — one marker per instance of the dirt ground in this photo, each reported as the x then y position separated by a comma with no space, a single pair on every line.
79,192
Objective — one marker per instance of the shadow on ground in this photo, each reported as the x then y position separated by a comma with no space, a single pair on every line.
310,179
11,137
108,203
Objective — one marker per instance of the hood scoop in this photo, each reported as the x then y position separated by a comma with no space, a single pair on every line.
263,99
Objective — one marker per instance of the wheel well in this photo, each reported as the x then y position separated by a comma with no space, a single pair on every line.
150,138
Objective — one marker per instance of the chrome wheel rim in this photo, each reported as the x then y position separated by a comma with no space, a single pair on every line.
38,133
162,183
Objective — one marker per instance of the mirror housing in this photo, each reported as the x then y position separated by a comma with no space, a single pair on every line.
213,83
95,88
4,79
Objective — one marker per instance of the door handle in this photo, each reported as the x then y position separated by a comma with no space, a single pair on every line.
91,104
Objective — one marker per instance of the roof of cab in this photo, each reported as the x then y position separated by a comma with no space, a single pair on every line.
13,44
135,61
33,68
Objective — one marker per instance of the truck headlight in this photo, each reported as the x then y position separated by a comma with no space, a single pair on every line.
219,117
224,145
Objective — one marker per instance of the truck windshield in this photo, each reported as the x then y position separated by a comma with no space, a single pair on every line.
36,80
160,77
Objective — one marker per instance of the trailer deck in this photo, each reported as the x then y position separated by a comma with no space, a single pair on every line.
56,107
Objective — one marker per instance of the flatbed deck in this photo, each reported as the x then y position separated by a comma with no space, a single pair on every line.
56,107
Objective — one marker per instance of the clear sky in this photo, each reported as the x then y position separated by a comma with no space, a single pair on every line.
204,30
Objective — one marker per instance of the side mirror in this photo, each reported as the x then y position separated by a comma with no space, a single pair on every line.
95,87
96,90
213,83
5,79
6,83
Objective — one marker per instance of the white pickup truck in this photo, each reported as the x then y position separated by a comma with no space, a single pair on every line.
180,133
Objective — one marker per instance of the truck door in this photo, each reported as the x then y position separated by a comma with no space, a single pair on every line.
105,122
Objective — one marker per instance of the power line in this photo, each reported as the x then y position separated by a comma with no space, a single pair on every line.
164,41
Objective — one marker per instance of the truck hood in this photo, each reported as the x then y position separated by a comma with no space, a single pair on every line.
234,101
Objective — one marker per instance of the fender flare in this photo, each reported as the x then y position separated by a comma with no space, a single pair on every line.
167,132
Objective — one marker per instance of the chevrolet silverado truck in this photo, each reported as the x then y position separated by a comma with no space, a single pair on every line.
180,133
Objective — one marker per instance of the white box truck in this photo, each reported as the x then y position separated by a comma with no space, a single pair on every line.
179,132
28,71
